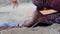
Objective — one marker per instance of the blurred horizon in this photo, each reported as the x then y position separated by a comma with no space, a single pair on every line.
8,2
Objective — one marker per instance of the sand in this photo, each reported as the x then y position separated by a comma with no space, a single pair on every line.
53,29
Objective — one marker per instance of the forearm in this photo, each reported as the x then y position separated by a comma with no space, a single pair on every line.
36,15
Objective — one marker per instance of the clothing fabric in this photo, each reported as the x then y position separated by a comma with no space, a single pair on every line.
52,18
49,4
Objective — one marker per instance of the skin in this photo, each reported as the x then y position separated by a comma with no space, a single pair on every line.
37,16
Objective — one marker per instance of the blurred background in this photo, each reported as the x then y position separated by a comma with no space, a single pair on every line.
9,14
8,2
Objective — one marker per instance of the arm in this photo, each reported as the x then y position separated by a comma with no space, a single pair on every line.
34,19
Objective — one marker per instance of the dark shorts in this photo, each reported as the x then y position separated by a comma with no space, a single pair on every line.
52,18
51,4
42,6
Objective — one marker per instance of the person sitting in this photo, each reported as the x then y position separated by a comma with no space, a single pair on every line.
43,5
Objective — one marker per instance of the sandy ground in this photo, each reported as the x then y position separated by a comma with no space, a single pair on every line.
53,29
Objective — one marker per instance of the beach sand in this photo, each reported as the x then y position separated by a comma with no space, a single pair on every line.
53,29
